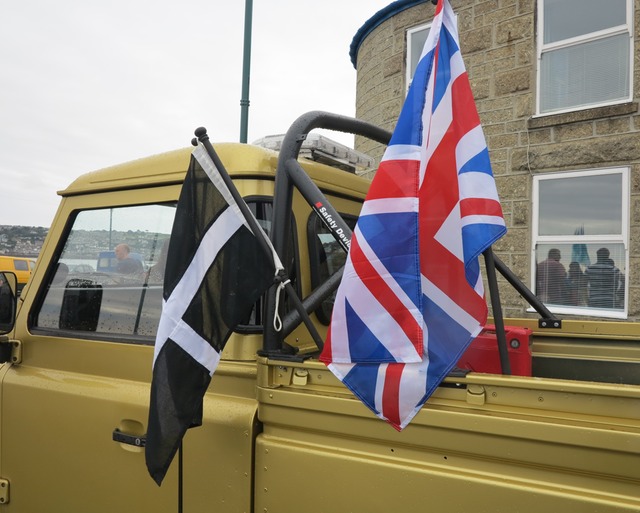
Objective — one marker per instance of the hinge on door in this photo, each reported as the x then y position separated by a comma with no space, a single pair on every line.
4,491
10,350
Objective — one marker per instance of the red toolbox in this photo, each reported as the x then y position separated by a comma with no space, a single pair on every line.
482,355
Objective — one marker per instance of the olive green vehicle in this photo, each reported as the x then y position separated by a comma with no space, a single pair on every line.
280,433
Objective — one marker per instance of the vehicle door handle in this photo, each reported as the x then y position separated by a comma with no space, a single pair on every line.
125,438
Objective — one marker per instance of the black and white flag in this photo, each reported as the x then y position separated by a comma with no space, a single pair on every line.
215,272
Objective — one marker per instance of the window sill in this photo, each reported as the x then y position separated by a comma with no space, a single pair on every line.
586,312
544,121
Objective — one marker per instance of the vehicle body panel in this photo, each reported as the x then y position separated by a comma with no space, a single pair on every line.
480,443
70,394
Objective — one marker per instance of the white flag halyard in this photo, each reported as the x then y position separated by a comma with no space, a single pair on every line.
215,272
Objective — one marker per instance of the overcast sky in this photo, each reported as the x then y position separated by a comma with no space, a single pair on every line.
86,84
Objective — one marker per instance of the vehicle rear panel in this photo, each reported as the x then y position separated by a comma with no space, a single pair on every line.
485,443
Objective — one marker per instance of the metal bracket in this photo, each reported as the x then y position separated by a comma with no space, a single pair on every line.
549,323
4,491
10,350
282,375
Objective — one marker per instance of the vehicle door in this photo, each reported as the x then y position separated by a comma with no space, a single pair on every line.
74,408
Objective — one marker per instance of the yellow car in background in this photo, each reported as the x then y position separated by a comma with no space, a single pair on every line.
20,266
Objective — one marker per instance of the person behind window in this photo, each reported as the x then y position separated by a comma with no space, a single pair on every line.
126,264
551,279
577,293
604,280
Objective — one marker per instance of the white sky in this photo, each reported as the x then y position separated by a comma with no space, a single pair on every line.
86,84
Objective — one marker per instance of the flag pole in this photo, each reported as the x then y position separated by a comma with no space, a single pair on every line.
282,278
497,310
180,479
203,137
246,71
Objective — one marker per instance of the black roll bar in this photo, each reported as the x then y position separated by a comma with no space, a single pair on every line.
290,174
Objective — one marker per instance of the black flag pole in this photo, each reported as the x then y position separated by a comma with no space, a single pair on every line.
498,320
282,278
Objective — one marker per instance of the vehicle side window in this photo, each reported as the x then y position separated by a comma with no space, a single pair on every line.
326,258
20,265
108,277
262,209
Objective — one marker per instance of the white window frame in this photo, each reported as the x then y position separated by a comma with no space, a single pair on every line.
410,52
575,41
622,238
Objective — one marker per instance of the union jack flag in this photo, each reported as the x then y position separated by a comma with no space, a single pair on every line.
412,298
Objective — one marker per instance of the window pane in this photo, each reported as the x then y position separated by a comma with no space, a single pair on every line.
562,22
581,275
21,265
263,212
590,204
418,38
109,276
326,258
585,74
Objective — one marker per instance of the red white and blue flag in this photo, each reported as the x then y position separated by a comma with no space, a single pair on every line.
411,297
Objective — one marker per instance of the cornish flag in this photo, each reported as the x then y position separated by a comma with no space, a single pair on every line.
411,298
215,272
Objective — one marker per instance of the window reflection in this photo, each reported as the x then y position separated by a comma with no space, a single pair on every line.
561,22
580,254
591,204
581,275
108,277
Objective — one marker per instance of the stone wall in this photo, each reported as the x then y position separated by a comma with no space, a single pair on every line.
498,44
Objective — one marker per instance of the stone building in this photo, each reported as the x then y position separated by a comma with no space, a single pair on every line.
556,87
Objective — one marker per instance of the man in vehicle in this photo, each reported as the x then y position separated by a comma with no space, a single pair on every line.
126,264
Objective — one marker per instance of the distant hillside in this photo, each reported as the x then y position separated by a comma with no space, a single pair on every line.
22,240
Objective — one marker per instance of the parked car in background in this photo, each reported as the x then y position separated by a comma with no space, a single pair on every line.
81,268
20,266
